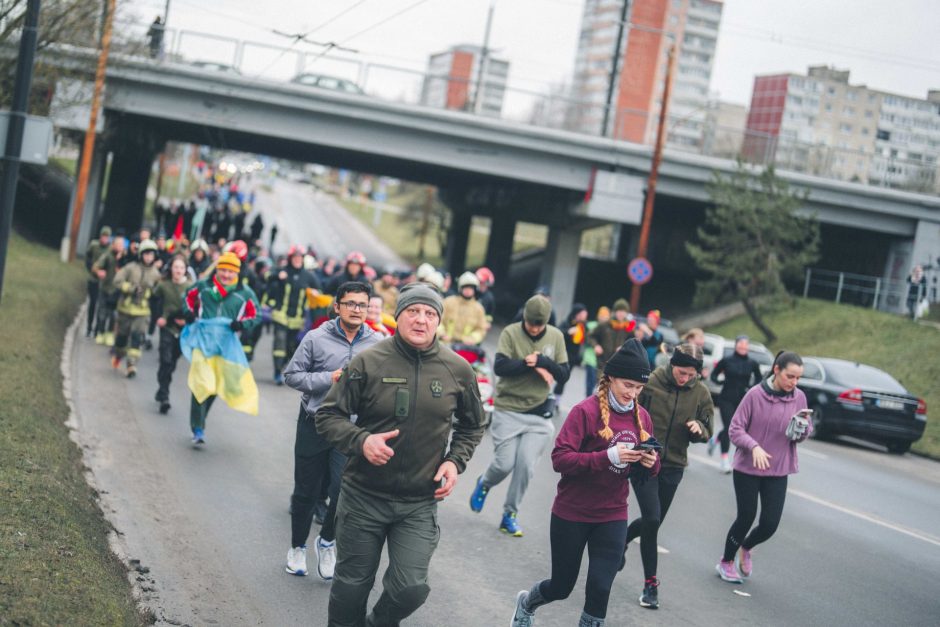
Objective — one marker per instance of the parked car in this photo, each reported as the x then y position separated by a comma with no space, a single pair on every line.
327,82
717,348
849,398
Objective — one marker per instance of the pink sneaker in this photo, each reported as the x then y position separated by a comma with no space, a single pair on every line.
743,561
728,572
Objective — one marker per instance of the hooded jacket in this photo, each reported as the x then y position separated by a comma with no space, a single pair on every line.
671,406
762,419
430,395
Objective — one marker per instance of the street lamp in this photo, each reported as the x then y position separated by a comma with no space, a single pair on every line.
478,94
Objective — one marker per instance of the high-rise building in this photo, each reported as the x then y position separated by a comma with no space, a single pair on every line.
652,26
819,123
451,81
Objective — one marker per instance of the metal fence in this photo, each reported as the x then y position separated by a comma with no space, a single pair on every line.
863,290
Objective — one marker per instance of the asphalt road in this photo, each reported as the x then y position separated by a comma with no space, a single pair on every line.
859,543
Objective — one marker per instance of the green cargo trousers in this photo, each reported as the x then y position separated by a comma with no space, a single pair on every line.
364,523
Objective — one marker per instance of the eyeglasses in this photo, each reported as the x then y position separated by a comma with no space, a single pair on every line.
351,304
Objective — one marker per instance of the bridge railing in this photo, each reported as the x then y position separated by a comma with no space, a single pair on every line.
522,101
863,290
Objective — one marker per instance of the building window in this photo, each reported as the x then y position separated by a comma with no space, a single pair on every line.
847,110
882,134
845,128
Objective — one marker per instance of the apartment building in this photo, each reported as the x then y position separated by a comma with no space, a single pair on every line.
452,76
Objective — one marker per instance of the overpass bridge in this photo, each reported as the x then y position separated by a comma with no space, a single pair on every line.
508,171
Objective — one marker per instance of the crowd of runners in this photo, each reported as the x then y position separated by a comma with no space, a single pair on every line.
391,409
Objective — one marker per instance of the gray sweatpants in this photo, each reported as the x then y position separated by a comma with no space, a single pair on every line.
519,440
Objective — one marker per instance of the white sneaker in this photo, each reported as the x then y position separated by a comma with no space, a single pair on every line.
297,561
725,464
326,558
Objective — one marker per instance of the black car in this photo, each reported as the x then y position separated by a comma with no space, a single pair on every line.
848,398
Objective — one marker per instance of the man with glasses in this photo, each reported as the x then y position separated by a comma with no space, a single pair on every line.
418,420
314,368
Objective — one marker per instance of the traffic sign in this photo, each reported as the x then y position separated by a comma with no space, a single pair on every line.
640,271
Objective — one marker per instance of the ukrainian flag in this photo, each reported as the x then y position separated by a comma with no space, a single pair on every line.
218,365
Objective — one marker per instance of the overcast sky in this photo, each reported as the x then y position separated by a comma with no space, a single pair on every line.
891,45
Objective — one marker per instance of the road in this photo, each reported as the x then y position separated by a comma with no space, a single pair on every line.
859,543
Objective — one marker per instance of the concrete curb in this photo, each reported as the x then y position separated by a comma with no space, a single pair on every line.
115,537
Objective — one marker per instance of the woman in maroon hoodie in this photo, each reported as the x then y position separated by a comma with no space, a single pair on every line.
597,449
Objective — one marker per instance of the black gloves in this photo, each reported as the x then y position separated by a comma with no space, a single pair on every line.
189,317
236,325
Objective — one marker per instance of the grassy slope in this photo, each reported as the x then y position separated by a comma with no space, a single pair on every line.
55,565
906,350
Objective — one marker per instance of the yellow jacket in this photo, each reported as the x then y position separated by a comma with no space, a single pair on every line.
464,320
135,283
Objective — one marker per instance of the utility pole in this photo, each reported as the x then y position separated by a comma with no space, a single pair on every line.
88,147
484,54
166,13
654,173
615,66
16,129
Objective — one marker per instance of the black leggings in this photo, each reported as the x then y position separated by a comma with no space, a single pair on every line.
773,493
654,496
727,409
314,465
605,546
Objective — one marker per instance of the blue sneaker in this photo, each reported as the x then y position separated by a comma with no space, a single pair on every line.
199,436
478,498
510,525
278,379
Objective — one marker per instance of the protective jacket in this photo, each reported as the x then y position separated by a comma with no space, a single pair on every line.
389,294
430,395
671,406
287,297
135,282
464,320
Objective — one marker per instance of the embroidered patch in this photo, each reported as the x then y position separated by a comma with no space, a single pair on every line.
398,380
437,388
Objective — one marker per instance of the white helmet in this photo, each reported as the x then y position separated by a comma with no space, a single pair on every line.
424,271
436,279
468,279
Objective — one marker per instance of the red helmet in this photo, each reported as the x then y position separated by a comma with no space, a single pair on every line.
485,275
296,249
238,247
356,257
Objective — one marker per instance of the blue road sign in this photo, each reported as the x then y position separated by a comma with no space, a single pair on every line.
640,271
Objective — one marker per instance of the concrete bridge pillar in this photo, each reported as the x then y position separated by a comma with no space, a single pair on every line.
499,245
134,147
560,271
458,236
88,227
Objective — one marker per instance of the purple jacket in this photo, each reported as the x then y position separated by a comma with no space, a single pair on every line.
761,419
592,489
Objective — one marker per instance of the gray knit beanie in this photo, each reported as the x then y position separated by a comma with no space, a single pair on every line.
419,294
537,310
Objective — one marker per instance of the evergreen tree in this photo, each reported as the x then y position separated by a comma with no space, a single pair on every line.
753,240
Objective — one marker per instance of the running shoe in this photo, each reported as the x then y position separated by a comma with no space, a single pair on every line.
297,561
725,464
712,443
728,572
99,338
743,562
522,617
131,372
326,558
199,436
164,407
510,525
478,497
278,379
115,362
650,597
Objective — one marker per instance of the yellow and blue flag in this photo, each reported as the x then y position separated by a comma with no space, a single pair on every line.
218,365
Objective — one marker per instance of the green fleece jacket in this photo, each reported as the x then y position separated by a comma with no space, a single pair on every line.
430,395
671,407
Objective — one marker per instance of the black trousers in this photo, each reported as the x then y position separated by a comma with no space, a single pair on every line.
91,316
727,409
314,464
772,492
654,497
169,354
604,542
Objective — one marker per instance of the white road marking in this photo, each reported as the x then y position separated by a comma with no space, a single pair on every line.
659,549
916,534
742,593
811,453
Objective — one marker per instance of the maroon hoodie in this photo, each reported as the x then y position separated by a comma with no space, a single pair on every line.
592,489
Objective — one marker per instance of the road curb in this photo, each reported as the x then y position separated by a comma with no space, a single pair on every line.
115,536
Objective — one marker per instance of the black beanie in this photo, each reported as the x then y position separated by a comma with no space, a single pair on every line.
630,362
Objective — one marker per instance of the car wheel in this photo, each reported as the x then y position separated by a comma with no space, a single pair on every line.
899,447
820,431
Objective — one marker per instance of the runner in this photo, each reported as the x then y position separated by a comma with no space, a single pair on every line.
464,320
608,336
386,286
168,305
220,296
589,356
741,372
105,268
680,407
287,297
765,454
134,283
419,419
597,448
375,315
530,359
316,365
95,249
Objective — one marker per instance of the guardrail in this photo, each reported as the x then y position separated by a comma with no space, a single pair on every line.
864,291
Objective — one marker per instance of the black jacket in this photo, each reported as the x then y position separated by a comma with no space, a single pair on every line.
741,373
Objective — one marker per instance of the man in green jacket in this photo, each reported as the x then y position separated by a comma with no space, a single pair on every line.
95,249
419,419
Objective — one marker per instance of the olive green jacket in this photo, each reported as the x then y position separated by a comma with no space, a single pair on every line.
671,407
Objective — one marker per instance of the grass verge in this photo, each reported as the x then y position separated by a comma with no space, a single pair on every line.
892,343
55,564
